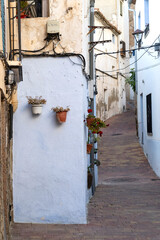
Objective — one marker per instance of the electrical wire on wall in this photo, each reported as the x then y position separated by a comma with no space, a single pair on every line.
148,47
49,39
127,73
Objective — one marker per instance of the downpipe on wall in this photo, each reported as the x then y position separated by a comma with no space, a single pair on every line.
92,85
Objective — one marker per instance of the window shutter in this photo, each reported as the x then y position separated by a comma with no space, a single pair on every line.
123,49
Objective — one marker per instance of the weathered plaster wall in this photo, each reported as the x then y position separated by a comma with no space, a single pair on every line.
5,169
109,9
108,98
71,15
2,75
50,160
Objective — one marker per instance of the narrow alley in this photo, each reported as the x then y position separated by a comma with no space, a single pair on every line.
126,204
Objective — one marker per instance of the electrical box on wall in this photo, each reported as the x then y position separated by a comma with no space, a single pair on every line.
52,27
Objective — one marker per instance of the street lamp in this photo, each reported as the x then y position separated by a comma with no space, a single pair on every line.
138,34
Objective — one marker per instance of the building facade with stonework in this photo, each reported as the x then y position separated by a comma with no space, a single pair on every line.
111,19
7,106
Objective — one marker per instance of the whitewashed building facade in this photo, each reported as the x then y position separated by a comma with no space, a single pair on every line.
148,87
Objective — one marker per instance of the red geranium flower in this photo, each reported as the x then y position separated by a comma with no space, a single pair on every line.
93,132
89,110
100,133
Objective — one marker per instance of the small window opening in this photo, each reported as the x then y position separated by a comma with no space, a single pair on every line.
34,8
113,38
122,48
149,113
146,15
139,21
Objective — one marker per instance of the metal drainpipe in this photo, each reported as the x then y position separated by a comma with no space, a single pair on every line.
3,25
135,46
92,77
136,67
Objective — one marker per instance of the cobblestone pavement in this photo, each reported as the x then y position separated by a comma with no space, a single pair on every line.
126,204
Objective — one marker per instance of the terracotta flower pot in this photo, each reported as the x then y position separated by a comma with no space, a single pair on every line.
90,178
89,147
61,116
89,121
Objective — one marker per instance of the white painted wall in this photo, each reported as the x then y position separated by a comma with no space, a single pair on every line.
49,159
148,82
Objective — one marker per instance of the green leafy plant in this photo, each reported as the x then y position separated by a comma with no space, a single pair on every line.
36,100
96,125
131,80
23,4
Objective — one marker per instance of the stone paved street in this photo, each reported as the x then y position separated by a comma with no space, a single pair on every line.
126,204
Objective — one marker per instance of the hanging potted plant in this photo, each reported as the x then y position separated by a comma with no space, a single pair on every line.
89,145
61,113
96,125
89,148
90,117
37,104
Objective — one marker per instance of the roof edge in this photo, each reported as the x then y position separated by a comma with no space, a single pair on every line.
106,22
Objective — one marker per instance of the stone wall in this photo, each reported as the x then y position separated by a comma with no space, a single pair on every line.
131,27
5,169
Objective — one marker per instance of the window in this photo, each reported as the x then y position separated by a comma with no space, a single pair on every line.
34,8
139,21
122,49
146,16
146,10
121,8
113,38
149,113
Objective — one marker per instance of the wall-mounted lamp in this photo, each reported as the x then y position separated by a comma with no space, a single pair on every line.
138,34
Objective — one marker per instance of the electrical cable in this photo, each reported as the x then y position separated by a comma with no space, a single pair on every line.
128,50
137,59
142,69
32,51
44,54
4,60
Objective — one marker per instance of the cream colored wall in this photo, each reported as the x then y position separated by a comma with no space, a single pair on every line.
86,36
71,16
108,9
107,100
2,75
111,98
